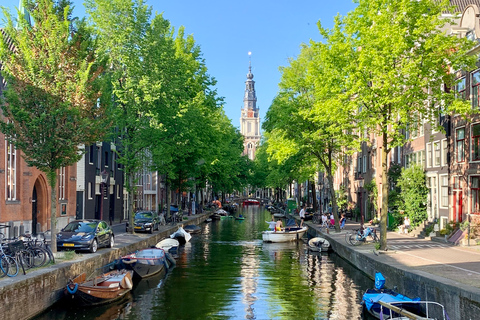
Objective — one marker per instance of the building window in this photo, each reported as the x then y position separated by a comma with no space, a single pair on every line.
476,142
90,191
106,159
61,183
364,164
475,89
475,195
460,145
118,191
429,155
11,172
444,196
436,150
460,88
444,152
91,154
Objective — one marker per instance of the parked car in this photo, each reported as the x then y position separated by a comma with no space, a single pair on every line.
146,221
88,234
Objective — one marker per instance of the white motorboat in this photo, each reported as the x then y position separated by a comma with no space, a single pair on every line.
318,244
287,234
181,235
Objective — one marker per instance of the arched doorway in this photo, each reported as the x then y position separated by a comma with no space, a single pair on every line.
39,206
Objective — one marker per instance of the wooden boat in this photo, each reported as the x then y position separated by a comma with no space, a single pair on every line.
221,212
249,202
168,245
146,262
192,229
103,289
181,235
290,234
318,244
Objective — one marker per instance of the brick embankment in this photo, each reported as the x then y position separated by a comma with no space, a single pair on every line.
433,271
24,296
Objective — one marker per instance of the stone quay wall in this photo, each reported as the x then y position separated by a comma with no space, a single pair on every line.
460,302
25,296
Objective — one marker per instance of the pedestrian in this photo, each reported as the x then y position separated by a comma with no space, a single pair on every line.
302,216
272,224
324,220
332,220
406,224
343,220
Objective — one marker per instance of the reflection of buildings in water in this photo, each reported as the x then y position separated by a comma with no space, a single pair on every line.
206,235
249,275
333,288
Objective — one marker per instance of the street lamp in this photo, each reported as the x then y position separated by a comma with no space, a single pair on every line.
104,191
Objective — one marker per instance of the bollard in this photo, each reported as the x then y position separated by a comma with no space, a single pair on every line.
22,229
15,231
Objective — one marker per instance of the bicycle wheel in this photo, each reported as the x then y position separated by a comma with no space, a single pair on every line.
39,256
315,219
347,238
355,239
9,266
26,258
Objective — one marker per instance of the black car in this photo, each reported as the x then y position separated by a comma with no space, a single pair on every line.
146,221
85,235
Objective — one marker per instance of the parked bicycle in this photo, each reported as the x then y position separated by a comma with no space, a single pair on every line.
8,263
360,236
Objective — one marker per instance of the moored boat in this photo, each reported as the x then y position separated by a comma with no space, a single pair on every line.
373,301
318,244
181,235
168,245
249,202
105,288
146,262
290,234
192,229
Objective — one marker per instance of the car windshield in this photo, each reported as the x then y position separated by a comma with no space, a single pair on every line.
144,215
80,226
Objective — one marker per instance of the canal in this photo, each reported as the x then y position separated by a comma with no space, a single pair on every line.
227,272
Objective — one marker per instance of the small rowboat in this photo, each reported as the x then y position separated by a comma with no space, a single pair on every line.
288,234
168,245
318,244
103,289
146,262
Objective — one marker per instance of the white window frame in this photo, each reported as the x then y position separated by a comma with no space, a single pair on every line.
11,174
90,191
443,189
429,155
437,160
61,183
444,152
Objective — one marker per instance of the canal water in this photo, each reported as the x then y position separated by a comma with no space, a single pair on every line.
227,272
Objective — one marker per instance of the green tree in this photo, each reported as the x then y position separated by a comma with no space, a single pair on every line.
310,117
414,193
402,61
53,83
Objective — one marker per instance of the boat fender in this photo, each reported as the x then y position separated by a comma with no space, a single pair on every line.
127,283
72,291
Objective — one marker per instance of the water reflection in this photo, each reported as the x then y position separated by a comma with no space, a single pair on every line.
227,272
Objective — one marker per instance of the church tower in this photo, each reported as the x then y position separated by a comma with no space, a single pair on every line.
250,120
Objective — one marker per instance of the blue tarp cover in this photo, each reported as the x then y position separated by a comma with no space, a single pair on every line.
372,298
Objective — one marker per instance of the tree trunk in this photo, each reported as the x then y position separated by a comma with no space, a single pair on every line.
384,213
334,201
52,180
131,217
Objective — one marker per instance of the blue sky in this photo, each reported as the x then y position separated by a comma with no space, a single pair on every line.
226,30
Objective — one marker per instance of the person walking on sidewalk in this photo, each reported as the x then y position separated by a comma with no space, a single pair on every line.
302,216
